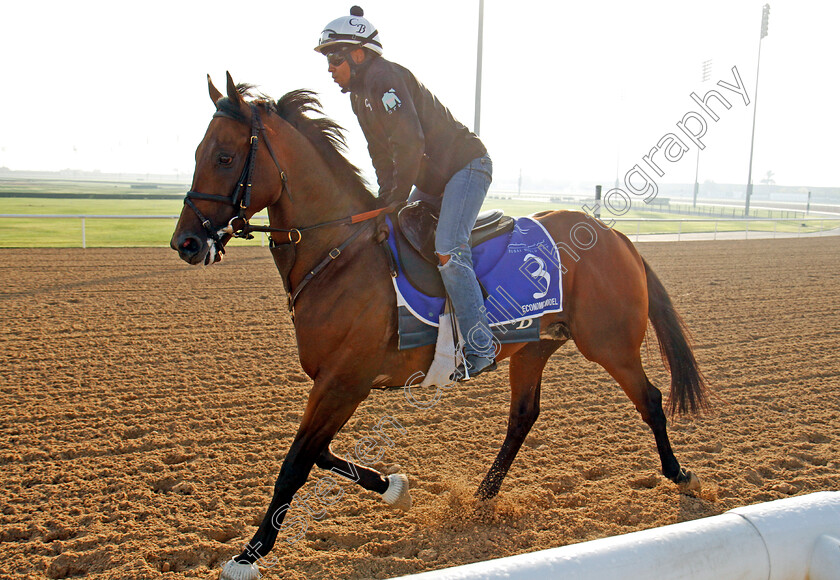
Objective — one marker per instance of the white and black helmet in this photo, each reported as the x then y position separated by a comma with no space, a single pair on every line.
353,29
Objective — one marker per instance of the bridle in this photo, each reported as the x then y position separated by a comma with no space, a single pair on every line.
241,198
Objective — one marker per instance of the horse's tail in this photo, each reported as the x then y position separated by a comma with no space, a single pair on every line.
688,386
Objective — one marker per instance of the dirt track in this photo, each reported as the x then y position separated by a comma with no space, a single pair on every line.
146,408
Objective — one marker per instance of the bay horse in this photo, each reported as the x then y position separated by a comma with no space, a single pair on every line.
276,155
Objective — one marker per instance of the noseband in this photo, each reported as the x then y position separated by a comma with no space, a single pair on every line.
241,196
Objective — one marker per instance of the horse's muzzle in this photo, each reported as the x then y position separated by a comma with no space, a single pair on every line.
190,248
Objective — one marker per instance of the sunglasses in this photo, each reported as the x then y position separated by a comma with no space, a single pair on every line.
336,58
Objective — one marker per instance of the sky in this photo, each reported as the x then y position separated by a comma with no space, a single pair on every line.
573,93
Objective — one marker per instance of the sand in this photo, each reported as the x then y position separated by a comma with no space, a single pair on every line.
147,405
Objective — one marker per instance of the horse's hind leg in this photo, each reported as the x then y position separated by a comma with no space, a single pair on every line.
394,488
369,479
526,367
648,401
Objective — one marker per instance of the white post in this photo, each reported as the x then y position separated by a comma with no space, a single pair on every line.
479,51
84,242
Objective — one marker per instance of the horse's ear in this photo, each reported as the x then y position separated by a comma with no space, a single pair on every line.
215,95
233,94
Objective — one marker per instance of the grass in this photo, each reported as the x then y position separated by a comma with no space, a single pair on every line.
21,187
632,227
92,206
93,200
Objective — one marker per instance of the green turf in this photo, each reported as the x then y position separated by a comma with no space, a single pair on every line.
37,205
67,232
59,232
23,186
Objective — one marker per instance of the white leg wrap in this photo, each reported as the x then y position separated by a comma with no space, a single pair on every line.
235,571
397,493
444,362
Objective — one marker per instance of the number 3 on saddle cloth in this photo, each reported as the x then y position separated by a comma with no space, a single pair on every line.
515,260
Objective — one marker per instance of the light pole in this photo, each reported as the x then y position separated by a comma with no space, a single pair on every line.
478,67
765,17
707,71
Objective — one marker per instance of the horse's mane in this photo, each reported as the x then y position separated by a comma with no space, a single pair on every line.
323,133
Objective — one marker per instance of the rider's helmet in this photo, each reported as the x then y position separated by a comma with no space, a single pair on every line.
353,29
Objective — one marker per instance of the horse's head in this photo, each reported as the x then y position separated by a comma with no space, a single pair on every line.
236,175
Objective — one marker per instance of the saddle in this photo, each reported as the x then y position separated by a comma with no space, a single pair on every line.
414,234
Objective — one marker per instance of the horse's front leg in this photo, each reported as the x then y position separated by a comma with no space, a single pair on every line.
329,407
393,488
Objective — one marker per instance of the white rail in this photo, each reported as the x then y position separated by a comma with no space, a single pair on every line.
715,233
713,230
85,217
797,538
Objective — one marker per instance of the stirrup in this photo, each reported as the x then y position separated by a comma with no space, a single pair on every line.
477,365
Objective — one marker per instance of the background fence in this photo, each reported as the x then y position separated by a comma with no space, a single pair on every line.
86,230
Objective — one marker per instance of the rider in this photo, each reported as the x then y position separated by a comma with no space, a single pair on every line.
414,141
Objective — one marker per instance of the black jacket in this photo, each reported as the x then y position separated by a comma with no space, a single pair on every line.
412,138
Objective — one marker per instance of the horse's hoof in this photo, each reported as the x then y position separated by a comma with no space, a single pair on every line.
397,495
233,570
690,484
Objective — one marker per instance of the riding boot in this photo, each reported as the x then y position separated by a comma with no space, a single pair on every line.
478,348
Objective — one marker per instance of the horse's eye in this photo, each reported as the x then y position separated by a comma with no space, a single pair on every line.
225,159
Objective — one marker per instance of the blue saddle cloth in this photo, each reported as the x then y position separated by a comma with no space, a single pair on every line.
520,271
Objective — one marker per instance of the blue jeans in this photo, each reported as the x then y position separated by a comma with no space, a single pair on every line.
459,206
